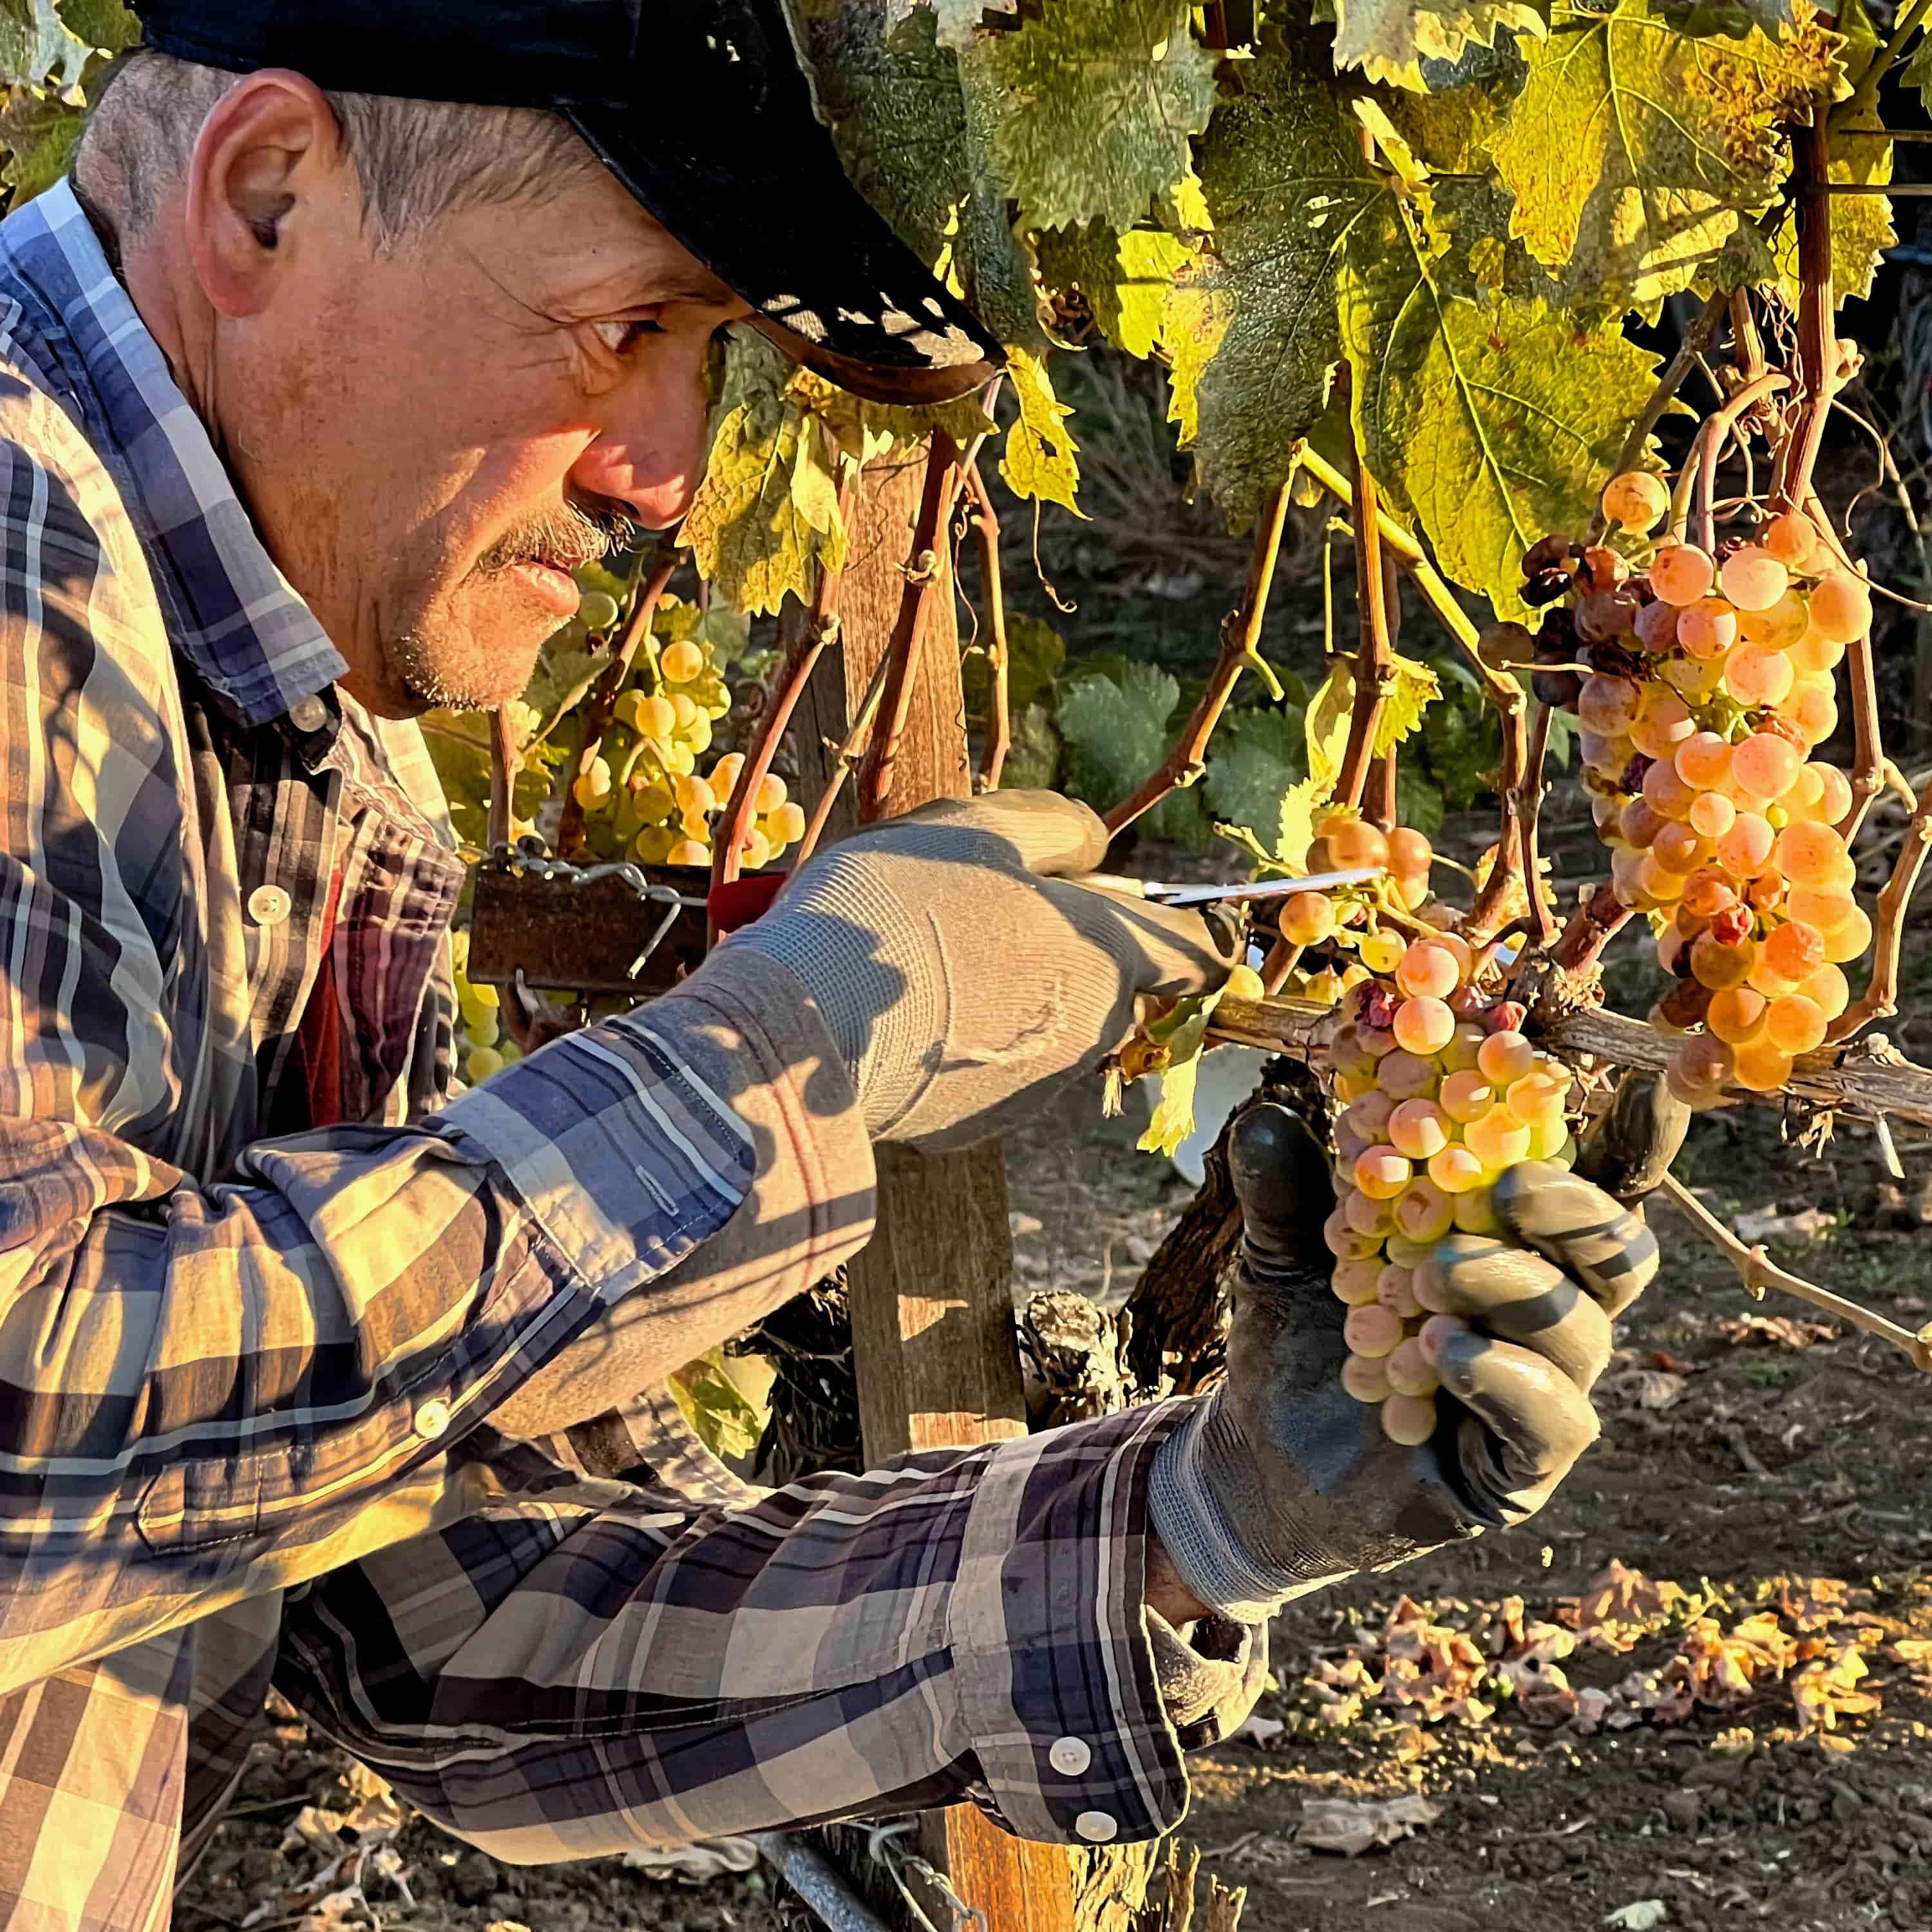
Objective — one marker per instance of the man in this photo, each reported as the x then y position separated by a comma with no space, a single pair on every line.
309,401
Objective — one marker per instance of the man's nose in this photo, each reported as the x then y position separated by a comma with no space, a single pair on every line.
650,454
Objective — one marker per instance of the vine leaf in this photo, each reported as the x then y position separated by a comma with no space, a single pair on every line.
39,133
37,49
898,116
1389,40
1127,278
1116,728
765,517
1257,757
865,431
1100,98
1413,687
1492,424
1633,149
1181,1032
1039,461
1252,326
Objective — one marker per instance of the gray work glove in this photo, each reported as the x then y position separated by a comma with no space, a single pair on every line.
1280,1481
963,969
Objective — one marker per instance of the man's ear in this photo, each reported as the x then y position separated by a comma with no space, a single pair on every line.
268,157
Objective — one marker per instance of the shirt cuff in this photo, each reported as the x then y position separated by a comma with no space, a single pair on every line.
1078,1701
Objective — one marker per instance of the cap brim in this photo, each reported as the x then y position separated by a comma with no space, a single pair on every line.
826,278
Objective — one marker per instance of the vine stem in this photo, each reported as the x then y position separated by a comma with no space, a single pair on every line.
1591,928
844,762
999,661
1697,338
1379,800
1715,434
1817,340
820,630
1240,639
603,700
1375,657
502,764
1868,1078
923,573
1758,1272
1880,997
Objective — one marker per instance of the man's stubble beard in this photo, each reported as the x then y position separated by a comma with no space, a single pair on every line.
447,668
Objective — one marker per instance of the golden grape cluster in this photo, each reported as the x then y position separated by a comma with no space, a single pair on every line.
1443,1094
644,796
482,1047
1703,685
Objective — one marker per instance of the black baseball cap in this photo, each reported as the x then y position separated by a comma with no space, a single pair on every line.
701,108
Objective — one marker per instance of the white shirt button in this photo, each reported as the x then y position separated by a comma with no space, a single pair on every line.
1097,1828
1071,1755
308,714
432,1419
269,905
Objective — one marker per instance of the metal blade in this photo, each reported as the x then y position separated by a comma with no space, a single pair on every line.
1268,889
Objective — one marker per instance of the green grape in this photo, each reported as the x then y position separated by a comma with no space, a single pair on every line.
598,610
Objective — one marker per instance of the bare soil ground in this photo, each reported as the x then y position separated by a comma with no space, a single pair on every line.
1718,1805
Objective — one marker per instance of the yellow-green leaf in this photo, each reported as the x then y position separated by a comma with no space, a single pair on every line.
1040,457
38,133
1330,711
1861,228
716,1407
1389,40
1633,149
1099,100
1125,278
1409,693
1493,425
956,21
1182,1031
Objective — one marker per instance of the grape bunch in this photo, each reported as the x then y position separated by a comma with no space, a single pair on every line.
644,796
1444,1093
482,1047
1703,687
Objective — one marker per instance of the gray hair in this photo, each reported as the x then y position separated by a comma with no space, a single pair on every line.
415,159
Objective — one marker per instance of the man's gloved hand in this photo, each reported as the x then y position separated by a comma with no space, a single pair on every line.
963,969
1280,1481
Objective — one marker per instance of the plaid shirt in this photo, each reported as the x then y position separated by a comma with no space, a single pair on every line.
245,1381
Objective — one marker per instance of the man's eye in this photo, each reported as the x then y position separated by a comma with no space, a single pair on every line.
621,338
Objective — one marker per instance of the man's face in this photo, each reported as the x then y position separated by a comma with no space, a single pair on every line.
431,439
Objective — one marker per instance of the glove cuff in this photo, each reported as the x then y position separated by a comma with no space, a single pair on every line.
1185,1508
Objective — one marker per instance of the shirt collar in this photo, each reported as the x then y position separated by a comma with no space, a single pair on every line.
233,615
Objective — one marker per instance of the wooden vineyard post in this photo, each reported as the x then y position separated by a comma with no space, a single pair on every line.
931,1295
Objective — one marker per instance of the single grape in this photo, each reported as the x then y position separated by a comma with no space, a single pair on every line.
485,1030
1762,1066
1712,814
1409,852
682,662
1666,724
1369,1215
1460,1054
1381,1174
1708,893
1827,910
1736,1015
1703,760
1355,842
694,794
1363,1377
1476,1211
1428,970
1381,950
1395,1290
1243,982
684,709
1455,1170
1409,1420
1813,709
756,850
1541,1093
1718,966
1405,1076
1756,675
1753,579
1665,793
480,1063
1656,626
1708,629
1766,765
1814,655
1498,1140
1678,848
1681,573
1608,706
1410,1371
1790,537
1850,941
1505,1058
597,610
1638,825
1343,1242
1795,1025
1306,919
1840,607
1417,1129
1745,851
788,824
1795,951
1354,1283
1778,628
1423,1212
1637,499
1467,1095
1424,1026
688,852
1810,853
1828,991
1372,1330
